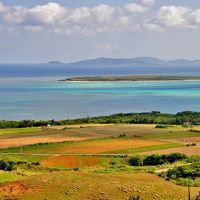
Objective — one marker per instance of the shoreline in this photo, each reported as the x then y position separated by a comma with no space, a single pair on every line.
186,80
131,78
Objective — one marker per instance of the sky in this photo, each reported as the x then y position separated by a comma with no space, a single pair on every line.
38,31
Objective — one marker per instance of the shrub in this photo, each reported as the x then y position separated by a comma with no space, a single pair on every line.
155,159
122,135
191,172
136,161
173,157
161,126
194,131
134,198
7,165
191,145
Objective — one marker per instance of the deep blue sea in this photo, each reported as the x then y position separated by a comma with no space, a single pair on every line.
48,98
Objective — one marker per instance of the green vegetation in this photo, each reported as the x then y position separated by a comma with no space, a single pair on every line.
156,159
186,175
19,131
147,149
186,118
6,177
161,126
43,171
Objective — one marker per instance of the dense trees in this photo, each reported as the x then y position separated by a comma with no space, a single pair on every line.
182,118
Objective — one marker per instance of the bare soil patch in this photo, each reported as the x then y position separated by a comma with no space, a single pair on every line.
16,188
71,161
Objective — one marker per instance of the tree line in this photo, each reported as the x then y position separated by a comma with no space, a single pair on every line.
154,117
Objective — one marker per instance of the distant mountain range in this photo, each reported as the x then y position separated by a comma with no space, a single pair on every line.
103,66
134,62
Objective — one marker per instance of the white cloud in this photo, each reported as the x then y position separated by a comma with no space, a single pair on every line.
58,19
173,16
194,17
124,21
103,13
2,8
79,15
46,14
151,27
135,8
148,2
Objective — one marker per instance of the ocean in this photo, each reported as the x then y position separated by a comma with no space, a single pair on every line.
47,98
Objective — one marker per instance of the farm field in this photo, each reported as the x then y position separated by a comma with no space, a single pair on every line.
25,136
54,161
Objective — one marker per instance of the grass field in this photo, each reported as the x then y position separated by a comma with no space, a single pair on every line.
78,185
91,177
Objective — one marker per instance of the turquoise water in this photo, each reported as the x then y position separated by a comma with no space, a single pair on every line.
47,98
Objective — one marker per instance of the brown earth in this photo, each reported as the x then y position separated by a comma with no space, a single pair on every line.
100,146
16,188
71,161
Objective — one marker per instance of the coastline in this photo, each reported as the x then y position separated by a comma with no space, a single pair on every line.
186,80
131,78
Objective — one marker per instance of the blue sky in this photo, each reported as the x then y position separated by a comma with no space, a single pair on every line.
70,30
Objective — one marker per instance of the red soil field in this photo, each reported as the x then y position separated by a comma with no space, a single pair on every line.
71,161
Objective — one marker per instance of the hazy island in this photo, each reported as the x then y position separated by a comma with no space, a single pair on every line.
133,78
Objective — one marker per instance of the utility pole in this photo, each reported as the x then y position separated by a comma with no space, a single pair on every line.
21,149
5,175
189,196
75,146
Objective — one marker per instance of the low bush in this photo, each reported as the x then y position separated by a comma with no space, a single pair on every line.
136,161
189,171
173,157
194,131
156,159
161,126
191,145
7,165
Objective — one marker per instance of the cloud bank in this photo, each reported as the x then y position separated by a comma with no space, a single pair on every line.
59,19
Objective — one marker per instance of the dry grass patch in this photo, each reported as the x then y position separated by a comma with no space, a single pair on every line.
77,185
100,146
5,143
